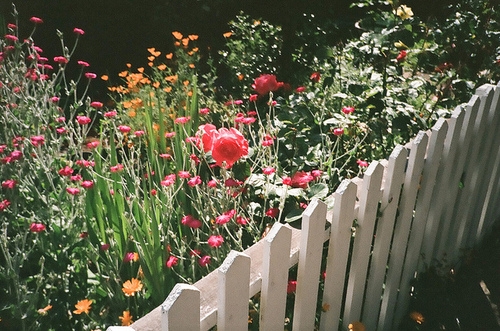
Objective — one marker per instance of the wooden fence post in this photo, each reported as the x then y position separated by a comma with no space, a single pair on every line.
311,246
275,277
369,199
234,288
338,253
391,191
181,309
402,228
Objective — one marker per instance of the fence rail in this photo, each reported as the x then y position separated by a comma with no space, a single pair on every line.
432,197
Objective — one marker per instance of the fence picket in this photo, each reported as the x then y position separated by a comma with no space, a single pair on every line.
311,245
367,214
443,187
402,228
181,309
338,253
233,292
434,150
274,277
394,177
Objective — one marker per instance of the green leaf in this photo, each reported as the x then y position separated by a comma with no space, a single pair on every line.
294,215
318,190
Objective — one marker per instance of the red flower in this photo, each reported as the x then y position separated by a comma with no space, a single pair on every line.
273,212
37,140
73,190
228,146
225,218
61,130
168,180
196,180
130,256
87,184
9,184
105,247
338,131
116,168
172,261
265,84
300,89
292,286
184,174
287,181
4,204
401,56
93,144
253,97
315,77
204,111
212,183
96,104
83,120
78,31
36,20
207,131
204,261
241,220
60,60
268,170
348,110
191,222
301,179
215,241
124,128
37,227
66,171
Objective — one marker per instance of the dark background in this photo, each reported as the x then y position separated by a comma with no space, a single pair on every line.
119,32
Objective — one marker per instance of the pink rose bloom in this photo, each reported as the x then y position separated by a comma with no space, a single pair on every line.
191,222
301,179
37,227
265,84
207,131
228,146
215,241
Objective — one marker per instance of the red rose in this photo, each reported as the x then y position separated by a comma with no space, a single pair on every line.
228,146
315,77
208,131
401,56
265,84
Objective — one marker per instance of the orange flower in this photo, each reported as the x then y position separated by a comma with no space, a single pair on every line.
193,37
151,58
104,77
185,41
126,318
171,79
151,64
227,34
162,67
82,306
43,311
128,65
154,52
167,89
191,65
177,35
130,287
141,70
123,74
156,84
169,56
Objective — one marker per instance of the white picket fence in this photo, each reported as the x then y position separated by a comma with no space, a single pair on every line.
433,197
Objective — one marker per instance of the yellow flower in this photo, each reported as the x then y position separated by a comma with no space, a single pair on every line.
82,306
126,318
130,287
404,12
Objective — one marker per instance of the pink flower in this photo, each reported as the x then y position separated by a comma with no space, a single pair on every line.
401,56
16,155
212,183
196,180
116,168
169,134
204,261
37,140
9,184
348,110
191,222
2,148
268,170
110,114
184,174
230,182
227,146
204,111
76,178
12,26
362,163
130,256
66,171
61,119
124,128
11,37
165,156
338,131
87,184
315,77
300,89
83,63
90,75
139,133
61,130
292,286
171,262
225,217
268,140
105,247
37,227
168,180
55,99
93,144
265,84
85,163
96,104
287,181
36,20
301,179
60,60
316,173
182,120
73,190
241,220
253,97
78,31
273,212
215,241
195,159
4,204
83,120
